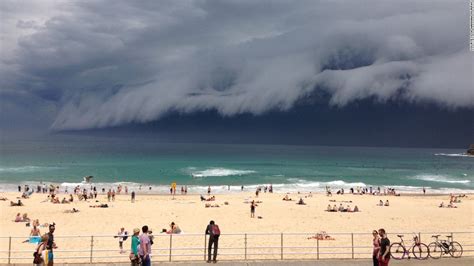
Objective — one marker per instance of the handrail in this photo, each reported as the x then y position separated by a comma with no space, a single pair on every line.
239,246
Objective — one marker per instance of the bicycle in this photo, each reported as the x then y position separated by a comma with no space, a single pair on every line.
419,250
440,247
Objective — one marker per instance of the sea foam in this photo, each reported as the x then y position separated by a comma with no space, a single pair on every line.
441,179
27,169
215,172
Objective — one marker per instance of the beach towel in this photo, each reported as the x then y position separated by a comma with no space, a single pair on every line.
34,239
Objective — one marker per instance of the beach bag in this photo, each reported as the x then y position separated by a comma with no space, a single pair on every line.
216,232
37,259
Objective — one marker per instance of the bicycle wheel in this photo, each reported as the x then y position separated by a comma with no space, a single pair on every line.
435,250
397,251
455,249
420,251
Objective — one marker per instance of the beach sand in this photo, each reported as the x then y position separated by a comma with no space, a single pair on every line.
407,213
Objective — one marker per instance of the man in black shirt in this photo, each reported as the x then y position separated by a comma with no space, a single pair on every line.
384,251
50,245
213,231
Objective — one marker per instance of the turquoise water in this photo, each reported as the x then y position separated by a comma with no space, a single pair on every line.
297,168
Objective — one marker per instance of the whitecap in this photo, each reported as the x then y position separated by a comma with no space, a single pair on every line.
454,155
26,169
217,172
441,179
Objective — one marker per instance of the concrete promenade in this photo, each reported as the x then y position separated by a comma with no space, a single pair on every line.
331,262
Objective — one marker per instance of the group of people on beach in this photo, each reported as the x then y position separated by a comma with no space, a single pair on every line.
453,199
341,208
141,251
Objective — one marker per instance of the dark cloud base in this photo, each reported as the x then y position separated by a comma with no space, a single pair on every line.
363,123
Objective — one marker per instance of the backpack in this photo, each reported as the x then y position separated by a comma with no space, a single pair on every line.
215,231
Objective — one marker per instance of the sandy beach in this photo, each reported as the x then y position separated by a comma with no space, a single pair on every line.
407,213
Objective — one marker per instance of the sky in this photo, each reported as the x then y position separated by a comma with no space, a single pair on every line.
367,72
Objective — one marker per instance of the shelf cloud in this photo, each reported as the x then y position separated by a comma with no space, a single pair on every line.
110,63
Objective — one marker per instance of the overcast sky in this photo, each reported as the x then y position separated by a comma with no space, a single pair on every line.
75,65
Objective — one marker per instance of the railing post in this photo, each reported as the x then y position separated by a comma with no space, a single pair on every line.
245,248
452,238
419,237
205,238
9,248
352,240
282,246
92,248
317,248
171,245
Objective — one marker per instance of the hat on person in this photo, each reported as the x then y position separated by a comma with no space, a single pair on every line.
136,230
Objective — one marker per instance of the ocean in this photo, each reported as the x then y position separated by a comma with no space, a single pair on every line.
149,163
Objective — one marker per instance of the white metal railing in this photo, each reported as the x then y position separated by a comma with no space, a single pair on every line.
236,246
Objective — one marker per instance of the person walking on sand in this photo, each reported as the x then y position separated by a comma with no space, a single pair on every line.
214,233
252,209
384,251
134,257
376,245
133,196
50,245
145,247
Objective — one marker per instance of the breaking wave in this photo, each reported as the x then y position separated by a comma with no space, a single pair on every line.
454,154
212,172
441,179
27,169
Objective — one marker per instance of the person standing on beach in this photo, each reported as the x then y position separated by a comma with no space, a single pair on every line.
134,257
209,190
50,245
384,251
252,209
376,245
133,196
424,191
145,247
122,236
214,233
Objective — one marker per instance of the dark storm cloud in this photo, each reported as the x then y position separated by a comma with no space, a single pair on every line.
107,63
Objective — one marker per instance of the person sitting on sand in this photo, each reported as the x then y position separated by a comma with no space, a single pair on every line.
286,198
356,209
103,205
25,218
329,208
19,203
441,205
202,198
334,208
341,208
56,200
64,201
348,209
213,198
301,202
387,203
380,203
451,205
18,218
74,210
35,235
174,229
71,198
